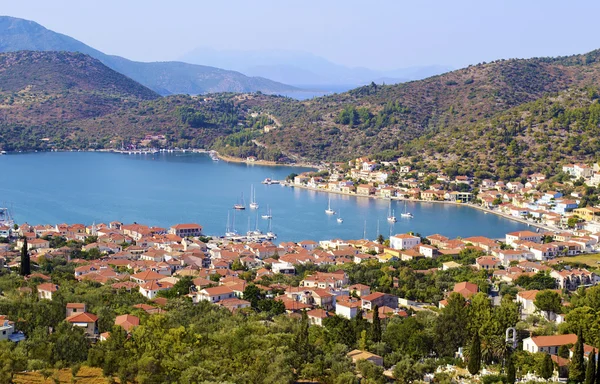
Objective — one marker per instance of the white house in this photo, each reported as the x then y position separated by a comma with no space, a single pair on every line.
548,344
526,299
404,241
283,267
347,306
151,288
7,328
524,236
214,294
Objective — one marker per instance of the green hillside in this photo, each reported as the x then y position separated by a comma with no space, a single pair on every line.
505,118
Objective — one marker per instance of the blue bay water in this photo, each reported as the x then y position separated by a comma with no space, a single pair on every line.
166,189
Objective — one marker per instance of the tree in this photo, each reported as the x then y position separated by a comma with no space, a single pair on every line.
590,370
405,371
25,260
252,294
564,351
511,374
376,329
474,364
301,339
380,238
548,301
572,222
451,328
545,367
576,369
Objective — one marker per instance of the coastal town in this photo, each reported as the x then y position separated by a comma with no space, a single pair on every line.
329,282
567,200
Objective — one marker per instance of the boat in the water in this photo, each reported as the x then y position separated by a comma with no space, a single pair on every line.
269,181
329,211
253,203
391,217
240,205
406,213
6,219
230,231
268,215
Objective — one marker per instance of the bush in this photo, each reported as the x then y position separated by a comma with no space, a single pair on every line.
493,379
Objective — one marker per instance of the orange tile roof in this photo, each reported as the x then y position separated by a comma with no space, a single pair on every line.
550,341
83,317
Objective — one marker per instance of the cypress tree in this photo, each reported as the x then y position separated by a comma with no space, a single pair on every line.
25,260
301,339
511,374
577,369
547,368
590,370
376,333
474,364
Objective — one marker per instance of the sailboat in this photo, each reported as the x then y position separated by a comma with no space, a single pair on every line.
391,217
253,203
256,231
339,219
405,213
329,211
240,206
267,216
230,231
270,234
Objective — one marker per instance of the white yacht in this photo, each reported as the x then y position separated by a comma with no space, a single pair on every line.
391,217
329,211
406,213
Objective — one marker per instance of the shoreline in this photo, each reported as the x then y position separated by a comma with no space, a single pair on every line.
226,158
266,163
482,209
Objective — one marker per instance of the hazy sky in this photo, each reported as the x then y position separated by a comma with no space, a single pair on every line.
381,34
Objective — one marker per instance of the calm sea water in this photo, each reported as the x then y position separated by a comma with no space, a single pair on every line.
165,189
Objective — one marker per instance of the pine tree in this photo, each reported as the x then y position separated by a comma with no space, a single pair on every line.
590,370
376,330
474,364
577,369
511,374
25,260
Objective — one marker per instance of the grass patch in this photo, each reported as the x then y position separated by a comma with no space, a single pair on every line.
590,260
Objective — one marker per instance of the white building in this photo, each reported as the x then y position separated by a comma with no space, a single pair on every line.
524,236
548,344
404,241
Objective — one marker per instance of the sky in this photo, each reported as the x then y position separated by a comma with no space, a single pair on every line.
377,34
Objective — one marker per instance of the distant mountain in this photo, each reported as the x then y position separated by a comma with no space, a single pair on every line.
163,77
41,88
304,69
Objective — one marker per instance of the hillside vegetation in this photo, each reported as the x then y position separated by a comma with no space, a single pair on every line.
504,119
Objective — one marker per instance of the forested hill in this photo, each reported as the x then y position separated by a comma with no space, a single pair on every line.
57,72
503,118
41,88
163,77
375,118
